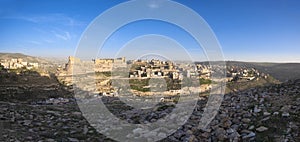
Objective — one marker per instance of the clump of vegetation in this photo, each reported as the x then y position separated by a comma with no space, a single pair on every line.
106,74
205,81
140,89
172,84
139,84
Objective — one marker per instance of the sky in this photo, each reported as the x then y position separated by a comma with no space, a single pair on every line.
247,30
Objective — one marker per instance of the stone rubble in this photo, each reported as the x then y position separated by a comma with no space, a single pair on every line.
259,114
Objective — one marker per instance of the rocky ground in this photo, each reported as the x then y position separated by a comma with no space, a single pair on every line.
259,114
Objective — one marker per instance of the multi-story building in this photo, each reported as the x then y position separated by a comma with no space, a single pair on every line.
18,63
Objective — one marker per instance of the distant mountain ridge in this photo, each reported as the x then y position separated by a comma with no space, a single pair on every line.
280,71
8,56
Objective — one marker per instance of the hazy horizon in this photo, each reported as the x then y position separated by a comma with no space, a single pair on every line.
66,58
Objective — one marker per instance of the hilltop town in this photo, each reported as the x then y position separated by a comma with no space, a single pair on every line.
139,72
18,63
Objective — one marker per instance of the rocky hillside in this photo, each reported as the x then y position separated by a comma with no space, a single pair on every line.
282,71
269,113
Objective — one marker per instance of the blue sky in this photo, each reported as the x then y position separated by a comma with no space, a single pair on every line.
248,30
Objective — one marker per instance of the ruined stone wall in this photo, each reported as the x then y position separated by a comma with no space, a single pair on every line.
99,65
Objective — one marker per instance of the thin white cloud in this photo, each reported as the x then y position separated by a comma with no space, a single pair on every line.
34,42
48,40
68,35
58,18
64,36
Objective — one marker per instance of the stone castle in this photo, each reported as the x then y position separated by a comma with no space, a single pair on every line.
99,65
